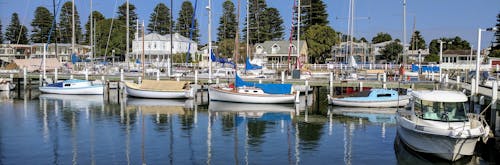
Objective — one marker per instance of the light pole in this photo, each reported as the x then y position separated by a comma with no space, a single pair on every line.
441,59
478,55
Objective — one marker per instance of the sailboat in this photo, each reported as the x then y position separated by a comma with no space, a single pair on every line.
158,89
71,86
249,92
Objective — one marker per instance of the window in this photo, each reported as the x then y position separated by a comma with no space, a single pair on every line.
67,85
384,95
275,48
443,111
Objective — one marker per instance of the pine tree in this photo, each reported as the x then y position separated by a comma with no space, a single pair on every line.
97,16
42,24
313,13
227,23
16,33
417,42
272,28
497,34
122,15
381,37
159,21
1,34
184,21
255,22
65,24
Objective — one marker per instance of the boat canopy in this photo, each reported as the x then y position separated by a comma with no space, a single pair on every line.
440,96
267,88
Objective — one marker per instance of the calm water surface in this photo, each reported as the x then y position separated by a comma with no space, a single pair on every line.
55,129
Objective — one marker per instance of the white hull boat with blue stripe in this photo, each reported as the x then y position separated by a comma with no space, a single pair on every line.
73,87
161,89
372,99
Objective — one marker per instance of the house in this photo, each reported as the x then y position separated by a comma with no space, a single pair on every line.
277,52
34,65
8,52
158,46
361,52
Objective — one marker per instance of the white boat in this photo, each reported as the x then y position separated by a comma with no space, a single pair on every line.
372,98
73,87
221,92
438,124
163,89
6,85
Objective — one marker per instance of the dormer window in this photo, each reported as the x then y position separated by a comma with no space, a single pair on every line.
259,49
274,49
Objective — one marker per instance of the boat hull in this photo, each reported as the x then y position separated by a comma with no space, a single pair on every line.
217,94
156,94
402,101
441,146
92,90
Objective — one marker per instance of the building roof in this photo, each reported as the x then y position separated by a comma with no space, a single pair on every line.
34,64
157,37
458,52
282,46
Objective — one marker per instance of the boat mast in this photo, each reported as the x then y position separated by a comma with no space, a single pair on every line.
142,56
91,32
73,31
298,37
404,32
128,35
248,30
209,8
236,39
169,69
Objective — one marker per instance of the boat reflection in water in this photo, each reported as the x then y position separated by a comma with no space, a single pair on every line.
406,155
373,115
74,101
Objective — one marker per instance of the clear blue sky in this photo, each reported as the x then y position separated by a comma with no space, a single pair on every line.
434,18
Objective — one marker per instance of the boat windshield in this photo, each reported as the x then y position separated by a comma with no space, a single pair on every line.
441,111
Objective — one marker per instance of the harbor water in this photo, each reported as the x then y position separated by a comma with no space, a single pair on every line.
61,129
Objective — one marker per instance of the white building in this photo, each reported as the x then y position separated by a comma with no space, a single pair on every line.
158,46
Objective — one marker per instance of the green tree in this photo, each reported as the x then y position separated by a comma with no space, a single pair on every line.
1,34
272,28
455,43
381,37
16,33
226,48
431,58
417,41
122,15
363,39
313,13
65,24
118,33
97,16
255,21
184,20
42,23
320,39
391,51
227,23
495,51
159,21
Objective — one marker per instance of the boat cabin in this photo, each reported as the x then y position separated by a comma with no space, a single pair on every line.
250,90
448,106
71,84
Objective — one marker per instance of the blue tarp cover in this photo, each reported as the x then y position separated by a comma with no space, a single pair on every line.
250,66
414,68
267,88
220,60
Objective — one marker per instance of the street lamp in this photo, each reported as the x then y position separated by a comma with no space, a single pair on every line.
441,60
478,55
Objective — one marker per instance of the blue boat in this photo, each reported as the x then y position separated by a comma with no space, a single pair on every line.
372,98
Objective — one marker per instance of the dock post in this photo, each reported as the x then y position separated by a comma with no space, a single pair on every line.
139,80
282,77
473,87
446,78
11,76
55,75
331,84
24,78
217,81
306,90
121,74
40,80
86,74
196,77
70,76
260,81
360,86
384,80
412,86
432,76
107,90
297,98
458,82
158,75
177,78
493,112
